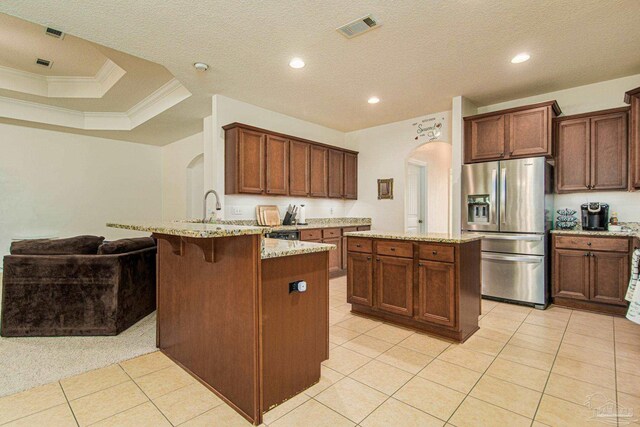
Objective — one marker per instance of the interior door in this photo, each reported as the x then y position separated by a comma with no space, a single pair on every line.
414,205
522,191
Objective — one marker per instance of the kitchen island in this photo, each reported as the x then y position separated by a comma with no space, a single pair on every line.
429,282
232,313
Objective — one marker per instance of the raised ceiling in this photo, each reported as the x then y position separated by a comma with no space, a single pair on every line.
424,53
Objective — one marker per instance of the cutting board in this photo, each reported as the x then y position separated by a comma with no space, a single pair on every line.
268,215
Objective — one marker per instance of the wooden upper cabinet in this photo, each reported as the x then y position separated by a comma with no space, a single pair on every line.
530,133
436,293
573,164
633,98
394,285
298,168
250,161
359,279
277,165
609,145
510,134
487,138
336,173
318,171
350,176
592,151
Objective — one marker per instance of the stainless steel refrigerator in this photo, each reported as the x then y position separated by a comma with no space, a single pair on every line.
510,203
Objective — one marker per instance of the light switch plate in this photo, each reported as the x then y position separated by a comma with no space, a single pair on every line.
237,211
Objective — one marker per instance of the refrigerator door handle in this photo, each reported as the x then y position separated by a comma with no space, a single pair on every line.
494,188
514,258
536,238
503,195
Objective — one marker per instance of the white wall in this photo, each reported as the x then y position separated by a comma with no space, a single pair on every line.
176,158
225,111
60,184
583,99
384,151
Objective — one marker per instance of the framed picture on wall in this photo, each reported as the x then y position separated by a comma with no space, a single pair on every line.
385,188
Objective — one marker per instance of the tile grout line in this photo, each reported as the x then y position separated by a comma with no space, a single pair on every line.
615,372
69,404
145,394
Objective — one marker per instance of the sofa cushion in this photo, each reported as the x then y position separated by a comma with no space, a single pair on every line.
79,245
126,245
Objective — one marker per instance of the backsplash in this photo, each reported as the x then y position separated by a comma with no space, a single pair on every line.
241,207
626,204
310,221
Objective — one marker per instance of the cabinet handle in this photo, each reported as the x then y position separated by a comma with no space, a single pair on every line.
377,259
586,254
588,243
368,258
434,252
591,254
393,249
420,264
358,246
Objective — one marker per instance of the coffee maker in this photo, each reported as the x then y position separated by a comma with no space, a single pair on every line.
595,216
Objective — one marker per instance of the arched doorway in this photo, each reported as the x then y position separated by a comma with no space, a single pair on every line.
428,189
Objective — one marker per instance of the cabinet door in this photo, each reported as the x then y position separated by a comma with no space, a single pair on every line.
344,253
335,256
298,168
529,133
573,163
487,138
609,277
571,274
436,293
336,173
251,161
318,170
394,285
635,140
350,176
277,165
359,279
609,144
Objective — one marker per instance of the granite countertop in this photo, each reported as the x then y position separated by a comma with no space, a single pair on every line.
274,248
191,229
623,233
428,237
313,223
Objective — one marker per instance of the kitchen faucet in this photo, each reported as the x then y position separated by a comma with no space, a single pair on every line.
204,204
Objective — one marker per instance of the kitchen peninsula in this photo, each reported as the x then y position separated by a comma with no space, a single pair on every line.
232,310
429,282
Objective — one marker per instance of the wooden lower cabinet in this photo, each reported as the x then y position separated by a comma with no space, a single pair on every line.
335,236
335,256
360,282
593,280
437,293
430,292
394,285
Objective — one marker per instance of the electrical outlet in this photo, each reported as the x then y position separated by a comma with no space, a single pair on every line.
237,211
331,210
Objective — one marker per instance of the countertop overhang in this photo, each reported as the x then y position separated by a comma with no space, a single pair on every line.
275,248
425,237
191,229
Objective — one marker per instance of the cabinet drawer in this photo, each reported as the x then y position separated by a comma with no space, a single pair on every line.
592,243
437,253
401,249
364,228
349,229
355,244
310,235
329,233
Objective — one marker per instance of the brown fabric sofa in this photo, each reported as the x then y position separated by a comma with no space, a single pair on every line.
95,293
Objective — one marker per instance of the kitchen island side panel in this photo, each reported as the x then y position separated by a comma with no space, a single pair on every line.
208,313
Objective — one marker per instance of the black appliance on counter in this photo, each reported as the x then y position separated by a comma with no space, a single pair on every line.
595,216
284,235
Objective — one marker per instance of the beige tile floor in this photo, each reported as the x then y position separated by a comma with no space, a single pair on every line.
524,367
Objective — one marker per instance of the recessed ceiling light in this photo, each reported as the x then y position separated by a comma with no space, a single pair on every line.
373,100
201,66
296,63
521,57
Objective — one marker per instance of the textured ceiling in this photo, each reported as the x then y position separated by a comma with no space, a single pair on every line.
424,53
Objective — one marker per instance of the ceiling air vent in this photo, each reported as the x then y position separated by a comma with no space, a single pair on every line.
54,33
44,62
359,26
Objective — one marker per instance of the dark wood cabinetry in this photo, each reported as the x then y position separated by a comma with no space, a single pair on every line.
338,259
510,134
394,284
632,97
592,151
336,173
335,256
592,272
433,287
258,161
436,292
299,168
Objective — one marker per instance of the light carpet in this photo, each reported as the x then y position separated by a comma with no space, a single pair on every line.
29,362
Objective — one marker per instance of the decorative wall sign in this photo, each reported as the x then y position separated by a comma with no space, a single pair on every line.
431,128
385,188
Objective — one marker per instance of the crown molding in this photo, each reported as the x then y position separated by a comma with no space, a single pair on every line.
62,86
168,95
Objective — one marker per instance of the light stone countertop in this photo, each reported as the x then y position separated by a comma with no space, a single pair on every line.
428,237
275,248
623,233
313,223
190,229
